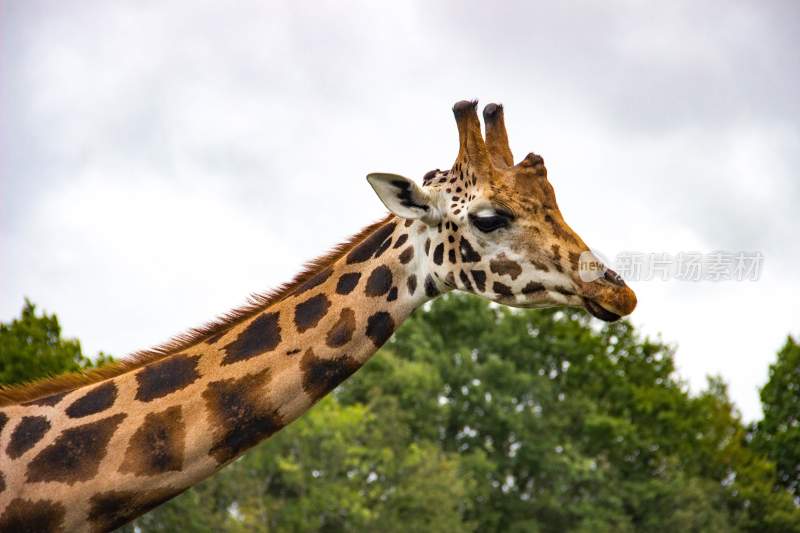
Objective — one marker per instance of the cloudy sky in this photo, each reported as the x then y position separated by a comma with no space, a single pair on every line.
161,160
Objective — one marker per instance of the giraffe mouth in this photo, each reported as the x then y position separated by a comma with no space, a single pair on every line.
597,310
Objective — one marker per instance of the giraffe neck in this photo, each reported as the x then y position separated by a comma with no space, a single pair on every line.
107,452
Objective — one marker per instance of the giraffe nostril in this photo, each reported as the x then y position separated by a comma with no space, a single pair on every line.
613,277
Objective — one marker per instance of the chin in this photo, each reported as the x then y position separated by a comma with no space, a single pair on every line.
598,311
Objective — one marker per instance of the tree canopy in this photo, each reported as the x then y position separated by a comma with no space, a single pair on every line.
476,417
31,347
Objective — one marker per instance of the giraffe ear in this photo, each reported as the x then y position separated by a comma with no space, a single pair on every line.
404,197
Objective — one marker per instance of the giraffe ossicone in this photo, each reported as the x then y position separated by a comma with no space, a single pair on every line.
90,452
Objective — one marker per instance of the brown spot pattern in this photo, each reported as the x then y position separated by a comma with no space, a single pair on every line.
380,327
430,287
502,267
317,279
32,516
468,253
465,280
438,254
51,400
370,245
342,331
157,446
98,399
407,255
112,509
261,336
531,287
320,376
502,289
28,432
240,415
166,376
379,281
347,282
308,314
411,283
76,454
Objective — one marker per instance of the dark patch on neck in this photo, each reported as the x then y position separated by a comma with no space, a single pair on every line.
240,414
76,454
480,279
430,286
261,336
383,247
3,421
112,509
392,296
407,255
98,399
401,240
166,376
317,279
502,289
293,351
347,282
411,283
308,314
532,287
157,446
502,267
28,432
380,327
370,245
321,376
2,482
451,255
50,400
341,332
438,254
465,280
379,281
468,253
32,516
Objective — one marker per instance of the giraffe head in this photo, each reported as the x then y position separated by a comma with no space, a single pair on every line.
494,228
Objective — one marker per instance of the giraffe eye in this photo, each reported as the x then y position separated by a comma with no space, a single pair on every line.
491,221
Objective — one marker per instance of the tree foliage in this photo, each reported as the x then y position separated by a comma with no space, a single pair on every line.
481,418
31,347
778,433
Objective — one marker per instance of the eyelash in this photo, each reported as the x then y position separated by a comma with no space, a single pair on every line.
490,223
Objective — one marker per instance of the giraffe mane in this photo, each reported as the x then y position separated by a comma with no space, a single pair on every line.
256,302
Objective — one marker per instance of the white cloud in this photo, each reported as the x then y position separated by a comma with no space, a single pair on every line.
161,161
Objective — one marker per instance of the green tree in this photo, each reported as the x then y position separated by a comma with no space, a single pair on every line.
578,428
778,434
338,468
31,347
479,417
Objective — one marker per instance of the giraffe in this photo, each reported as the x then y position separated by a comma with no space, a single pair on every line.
92,451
